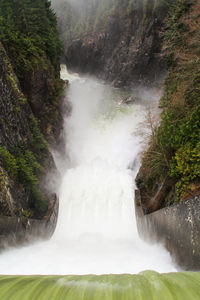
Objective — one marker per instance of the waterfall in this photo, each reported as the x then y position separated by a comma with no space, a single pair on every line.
96,231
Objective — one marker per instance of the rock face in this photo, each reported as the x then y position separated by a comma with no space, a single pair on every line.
127,52
30,115
14,130
24,157
170,169
14,123
42,90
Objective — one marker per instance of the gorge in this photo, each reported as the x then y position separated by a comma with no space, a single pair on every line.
83,147
96,226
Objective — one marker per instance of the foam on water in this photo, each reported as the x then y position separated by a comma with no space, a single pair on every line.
96,231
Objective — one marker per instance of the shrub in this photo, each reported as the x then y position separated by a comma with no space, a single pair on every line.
9,162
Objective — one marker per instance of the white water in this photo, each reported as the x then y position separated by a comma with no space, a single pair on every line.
96,231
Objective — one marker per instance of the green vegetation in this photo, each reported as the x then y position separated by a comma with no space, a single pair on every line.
38,141
174,150
22,167
9,162
28,32
29,35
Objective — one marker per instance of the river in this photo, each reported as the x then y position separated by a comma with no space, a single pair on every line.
96,231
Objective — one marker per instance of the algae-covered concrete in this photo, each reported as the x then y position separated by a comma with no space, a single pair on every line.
177,227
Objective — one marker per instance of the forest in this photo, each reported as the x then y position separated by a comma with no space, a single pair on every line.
29,34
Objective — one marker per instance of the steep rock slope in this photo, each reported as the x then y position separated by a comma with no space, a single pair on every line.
30,90
170,168
121,42
125,53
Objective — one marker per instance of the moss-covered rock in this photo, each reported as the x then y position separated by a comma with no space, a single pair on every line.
173,158
30,90
7,204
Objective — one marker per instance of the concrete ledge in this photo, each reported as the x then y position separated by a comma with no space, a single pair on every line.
177,227
16,231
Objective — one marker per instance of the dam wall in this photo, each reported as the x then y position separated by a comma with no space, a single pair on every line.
16,231
177,227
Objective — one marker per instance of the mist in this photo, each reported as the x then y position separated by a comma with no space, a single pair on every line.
96,231
78,17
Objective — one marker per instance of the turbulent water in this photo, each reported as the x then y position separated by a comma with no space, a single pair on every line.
96,231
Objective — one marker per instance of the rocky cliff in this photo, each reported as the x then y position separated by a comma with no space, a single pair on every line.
121,42
30,117
170,169
22,149
127,52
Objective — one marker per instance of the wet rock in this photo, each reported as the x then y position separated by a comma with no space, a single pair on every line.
66,82
125,53
128,100
17,132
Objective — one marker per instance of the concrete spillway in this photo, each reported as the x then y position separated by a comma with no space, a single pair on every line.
147,285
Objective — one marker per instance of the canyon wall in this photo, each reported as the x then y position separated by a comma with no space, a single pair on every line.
30,115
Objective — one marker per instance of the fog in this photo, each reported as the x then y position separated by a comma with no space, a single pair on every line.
96,231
